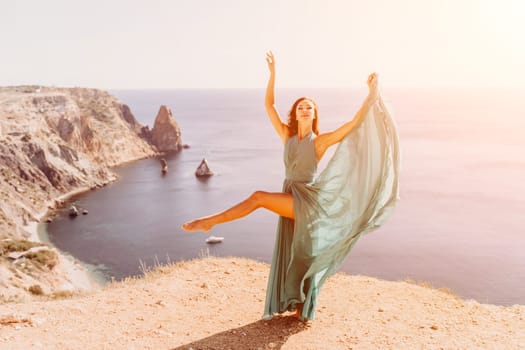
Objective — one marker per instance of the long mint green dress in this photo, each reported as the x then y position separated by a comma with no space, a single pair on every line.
353,195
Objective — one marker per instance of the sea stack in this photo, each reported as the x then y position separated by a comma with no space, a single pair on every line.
164,165
166,135
203,170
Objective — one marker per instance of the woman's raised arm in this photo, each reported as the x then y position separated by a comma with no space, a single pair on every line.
269,102
323,141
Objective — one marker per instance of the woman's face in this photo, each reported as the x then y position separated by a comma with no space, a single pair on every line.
305,111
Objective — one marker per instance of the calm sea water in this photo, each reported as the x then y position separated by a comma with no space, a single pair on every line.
459,224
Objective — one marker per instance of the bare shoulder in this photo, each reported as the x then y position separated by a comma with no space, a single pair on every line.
322,139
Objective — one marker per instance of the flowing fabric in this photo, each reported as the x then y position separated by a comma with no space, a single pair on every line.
353,195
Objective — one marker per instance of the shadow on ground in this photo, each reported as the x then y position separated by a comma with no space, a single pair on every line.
260,335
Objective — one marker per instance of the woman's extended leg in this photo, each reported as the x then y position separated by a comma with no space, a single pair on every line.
278,202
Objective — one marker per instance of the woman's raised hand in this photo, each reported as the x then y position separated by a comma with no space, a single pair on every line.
373,85
270,59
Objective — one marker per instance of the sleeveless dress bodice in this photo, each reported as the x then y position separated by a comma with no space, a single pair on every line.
300,159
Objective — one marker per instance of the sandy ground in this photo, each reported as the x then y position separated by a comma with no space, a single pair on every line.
216,303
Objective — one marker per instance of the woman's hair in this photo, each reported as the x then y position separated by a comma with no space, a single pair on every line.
292,117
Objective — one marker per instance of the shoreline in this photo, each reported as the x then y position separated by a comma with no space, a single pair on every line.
32,227
82,276
81,269
43,169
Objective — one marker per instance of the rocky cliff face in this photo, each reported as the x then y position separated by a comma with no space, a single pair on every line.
54,141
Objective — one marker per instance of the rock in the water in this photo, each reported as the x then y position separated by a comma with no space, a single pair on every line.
166,135
73,211
164,165
203,169
85,212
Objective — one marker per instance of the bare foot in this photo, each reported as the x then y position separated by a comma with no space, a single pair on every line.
198,225
298,312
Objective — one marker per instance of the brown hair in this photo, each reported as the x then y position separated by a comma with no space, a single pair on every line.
292,117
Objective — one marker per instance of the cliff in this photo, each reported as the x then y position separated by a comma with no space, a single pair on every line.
54,141
217,303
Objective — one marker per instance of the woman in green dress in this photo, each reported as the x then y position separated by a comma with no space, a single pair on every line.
320,218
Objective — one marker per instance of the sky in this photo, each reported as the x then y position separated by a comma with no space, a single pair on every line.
222,44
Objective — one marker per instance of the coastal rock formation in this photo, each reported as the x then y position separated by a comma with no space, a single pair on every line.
54,141
73,211
164,165
166,134
203,170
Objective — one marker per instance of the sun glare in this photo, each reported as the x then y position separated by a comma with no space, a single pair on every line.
504,21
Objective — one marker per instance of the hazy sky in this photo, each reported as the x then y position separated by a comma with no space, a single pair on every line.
317,43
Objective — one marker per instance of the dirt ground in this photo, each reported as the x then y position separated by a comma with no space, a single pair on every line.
217,303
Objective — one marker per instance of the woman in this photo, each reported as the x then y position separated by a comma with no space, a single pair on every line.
320,219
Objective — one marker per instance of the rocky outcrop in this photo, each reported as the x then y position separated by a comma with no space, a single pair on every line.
164,165
203,170
54,141
166,135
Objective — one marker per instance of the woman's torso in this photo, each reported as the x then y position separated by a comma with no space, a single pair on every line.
300,159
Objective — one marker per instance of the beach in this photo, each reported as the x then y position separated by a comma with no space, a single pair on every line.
77,273
217,303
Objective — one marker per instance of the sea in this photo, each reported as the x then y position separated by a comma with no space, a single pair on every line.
459,223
